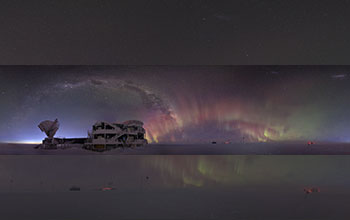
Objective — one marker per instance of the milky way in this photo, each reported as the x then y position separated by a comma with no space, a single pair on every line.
186,104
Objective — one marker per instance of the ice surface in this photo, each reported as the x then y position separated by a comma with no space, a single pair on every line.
266,187
195,149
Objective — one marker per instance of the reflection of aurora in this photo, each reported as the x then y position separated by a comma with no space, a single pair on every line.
198,170
253,185
129,172
211,171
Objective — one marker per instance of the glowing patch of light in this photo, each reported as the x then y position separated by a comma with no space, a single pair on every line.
24,142
191,181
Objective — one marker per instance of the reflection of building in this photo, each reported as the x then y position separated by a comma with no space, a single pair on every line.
106,136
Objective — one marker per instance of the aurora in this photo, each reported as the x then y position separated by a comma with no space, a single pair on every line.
180,104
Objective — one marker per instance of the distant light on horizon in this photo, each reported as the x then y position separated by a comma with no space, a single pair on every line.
24,142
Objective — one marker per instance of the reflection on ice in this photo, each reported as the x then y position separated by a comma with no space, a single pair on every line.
176,187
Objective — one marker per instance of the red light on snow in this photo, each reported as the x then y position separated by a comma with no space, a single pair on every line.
311,190
106,188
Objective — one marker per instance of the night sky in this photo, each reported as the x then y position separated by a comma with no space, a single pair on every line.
179,104
174,32
184,96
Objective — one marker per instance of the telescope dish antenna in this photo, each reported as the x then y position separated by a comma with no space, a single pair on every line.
49,127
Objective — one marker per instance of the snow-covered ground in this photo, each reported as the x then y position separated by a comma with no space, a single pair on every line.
265,204
173,187
194,149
